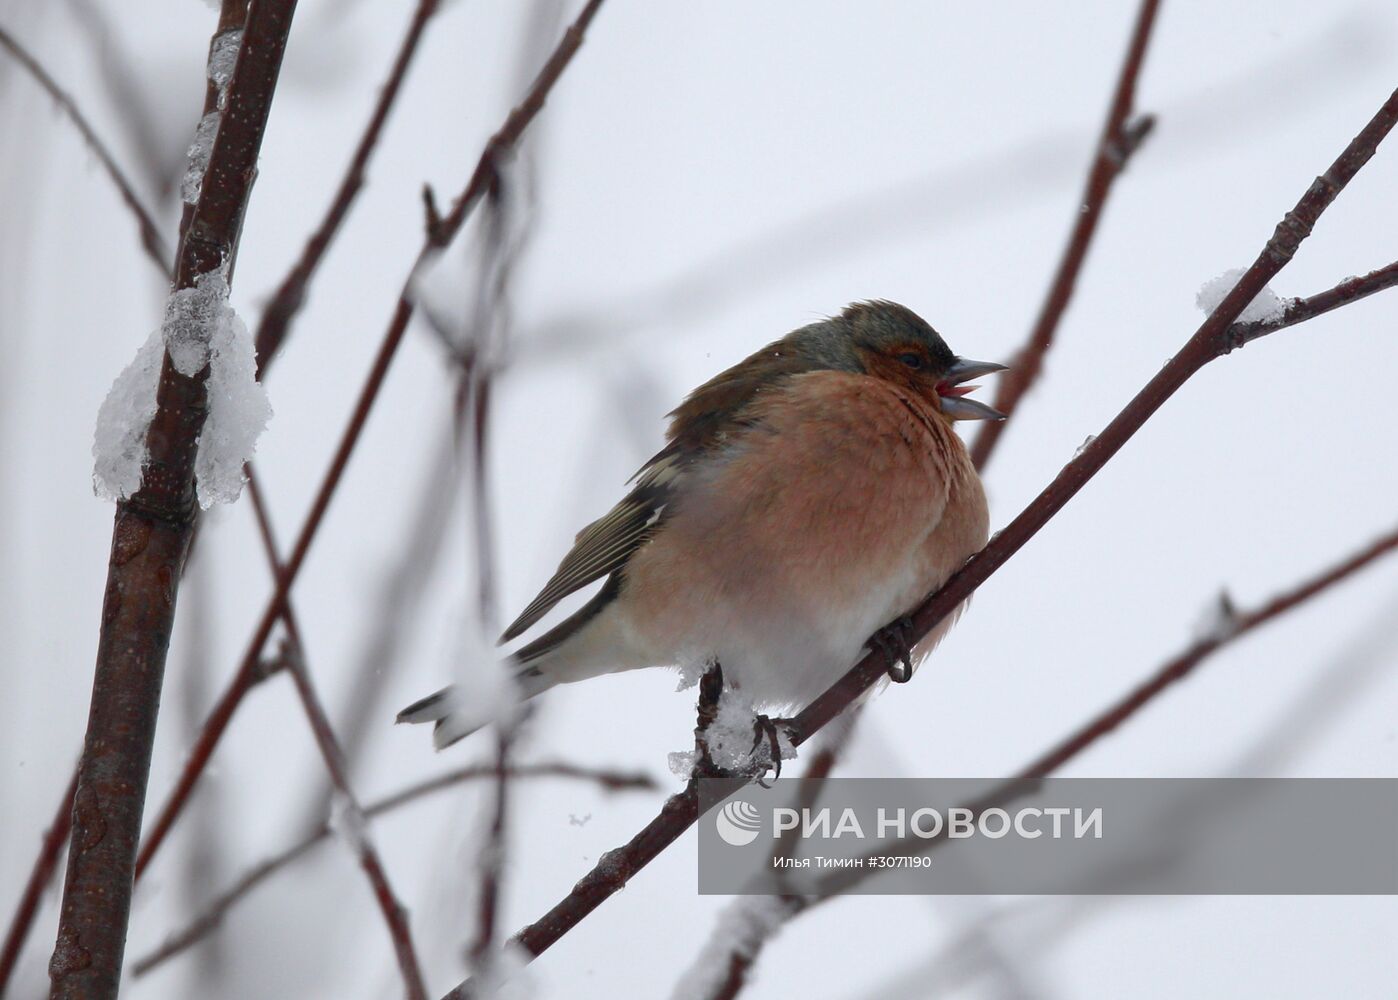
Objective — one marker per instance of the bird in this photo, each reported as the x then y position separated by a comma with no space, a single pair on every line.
804,502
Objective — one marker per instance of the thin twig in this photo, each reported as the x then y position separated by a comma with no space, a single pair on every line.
392,614
395,917
508,230
606,779
498,146
161,163
150,539
1210,341
1121,137
1181,666
291,294
476,378
154,246
50,851
1299,310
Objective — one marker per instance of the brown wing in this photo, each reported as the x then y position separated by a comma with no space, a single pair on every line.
604,545
700,423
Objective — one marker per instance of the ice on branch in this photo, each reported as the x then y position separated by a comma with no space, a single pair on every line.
742,928
1266,307
199,152
681,763
119,445
223,56
200,328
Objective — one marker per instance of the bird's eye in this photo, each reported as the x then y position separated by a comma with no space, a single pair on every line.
913,361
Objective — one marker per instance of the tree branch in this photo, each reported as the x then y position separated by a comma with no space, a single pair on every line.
150,236
150,539
395,916
1212,340
1121,137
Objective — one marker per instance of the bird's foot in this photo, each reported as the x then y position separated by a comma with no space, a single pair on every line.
893,641
766,728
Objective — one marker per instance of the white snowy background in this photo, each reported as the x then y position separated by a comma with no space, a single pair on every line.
711,175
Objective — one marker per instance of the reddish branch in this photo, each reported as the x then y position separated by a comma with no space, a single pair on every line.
149,542
498,147
291,294
1214,338
394,914
1121,136
150,235
44,865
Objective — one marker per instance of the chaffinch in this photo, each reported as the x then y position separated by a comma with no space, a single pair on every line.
807,497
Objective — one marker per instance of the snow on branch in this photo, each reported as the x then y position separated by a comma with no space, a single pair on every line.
200,328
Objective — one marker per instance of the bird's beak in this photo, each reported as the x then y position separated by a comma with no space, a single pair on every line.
952,392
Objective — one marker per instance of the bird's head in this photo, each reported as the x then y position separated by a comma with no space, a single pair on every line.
891,342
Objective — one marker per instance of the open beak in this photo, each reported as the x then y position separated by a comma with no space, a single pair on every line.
952,392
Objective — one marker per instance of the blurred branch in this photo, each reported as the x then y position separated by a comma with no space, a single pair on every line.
291,294
1121,137
499,144
1212,340
392,613
159,167
353,817
50,851
1234,625
509,226
295,658
150,236
490,327
607,780
150,539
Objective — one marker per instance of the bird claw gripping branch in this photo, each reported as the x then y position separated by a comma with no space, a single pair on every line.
766,728
892,642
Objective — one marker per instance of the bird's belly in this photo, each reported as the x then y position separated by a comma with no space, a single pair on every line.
782,582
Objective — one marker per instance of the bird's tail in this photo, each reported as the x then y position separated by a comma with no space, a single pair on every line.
452,719
585,644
